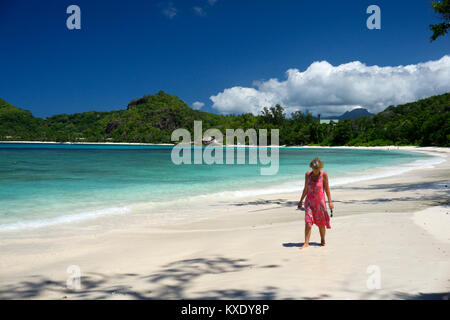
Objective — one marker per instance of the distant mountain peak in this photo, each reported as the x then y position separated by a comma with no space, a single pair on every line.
157,101
355,113
352,114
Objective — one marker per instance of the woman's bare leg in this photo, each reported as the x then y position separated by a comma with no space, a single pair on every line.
322,235
307,236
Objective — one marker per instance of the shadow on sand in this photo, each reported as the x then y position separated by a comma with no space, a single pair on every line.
439,197
299,244
172,281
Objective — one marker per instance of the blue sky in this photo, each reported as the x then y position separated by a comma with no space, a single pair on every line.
196,49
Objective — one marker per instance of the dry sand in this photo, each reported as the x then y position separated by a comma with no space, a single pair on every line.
390,239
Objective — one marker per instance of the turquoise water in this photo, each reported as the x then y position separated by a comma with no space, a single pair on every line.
60,180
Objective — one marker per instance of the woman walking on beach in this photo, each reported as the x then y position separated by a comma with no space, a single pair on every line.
316,181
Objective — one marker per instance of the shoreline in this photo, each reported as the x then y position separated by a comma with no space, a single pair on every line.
389,147
248,249
89,143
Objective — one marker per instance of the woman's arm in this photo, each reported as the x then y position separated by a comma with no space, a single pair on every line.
327,190
305,191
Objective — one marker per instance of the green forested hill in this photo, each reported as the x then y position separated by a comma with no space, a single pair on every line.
152,118
18,123
425,122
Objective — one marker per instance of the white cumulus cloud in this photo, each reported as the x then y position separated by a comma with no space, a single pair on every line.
332,90
197,105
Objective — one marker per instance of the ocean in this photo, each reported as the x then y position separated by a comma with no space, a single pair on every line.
51,184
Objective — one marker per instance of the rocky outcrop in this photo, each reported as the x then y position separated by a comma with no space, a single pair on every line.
113,125
165,119
136,102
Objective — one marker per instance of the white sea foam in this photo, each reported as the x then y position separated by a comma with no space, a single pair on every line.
62,219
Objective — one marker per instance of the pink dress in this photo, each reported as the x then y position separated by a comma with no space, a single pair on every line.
315,207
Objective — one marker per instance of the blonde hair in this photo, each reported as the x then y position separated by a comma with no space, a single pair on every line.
316,164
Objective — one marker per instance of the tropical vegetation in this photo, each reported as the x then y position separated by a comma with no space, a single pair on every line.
152,119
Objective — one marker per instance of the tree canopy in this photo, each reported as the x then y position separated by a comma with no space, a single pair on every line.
442,8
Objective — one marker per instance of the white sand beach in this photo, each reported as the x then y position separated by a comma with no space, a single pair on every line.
390,239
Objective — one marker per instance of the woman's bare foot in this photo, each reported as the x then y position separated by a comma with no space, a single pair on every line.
304,246
322,243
